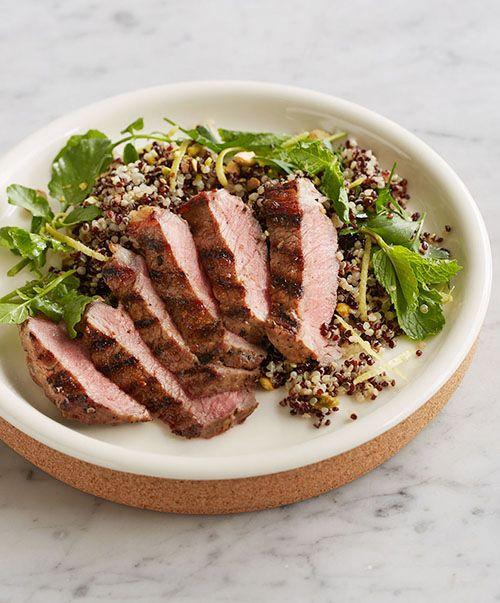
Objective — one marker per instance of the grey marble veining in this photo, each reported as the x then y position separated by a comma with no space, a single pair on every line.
425,525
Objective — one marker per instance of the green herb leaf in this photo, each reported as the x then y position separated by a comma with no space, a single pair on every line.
406,279
29,199
74,304
428,270
13,314
420,319
310,156
427,319
130,154
252,141
81,214
23,243
332,185
394,231
77,166
136,125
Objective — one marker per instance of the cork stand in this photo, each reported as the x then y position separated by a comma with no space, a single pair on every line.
233,495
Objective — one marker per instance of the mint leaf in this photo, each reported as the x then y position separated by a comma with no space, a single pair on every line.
394,231
136,125
427,319
407,280
130,154
332,185
77,166
29,199
428,270
419,320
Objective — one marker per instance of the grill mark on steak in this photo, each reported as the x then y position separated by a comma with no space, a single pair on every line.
64,371
126,275
233,252
183,286
304,268
291,288
141,375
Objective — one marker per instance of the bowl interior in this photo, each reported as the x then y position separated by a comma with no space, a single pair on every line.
270,440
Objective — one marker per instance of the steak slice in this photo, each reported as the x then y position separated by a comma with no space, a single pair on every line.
168,246
119,352
304,272
63,369
233,252
127,276
174,267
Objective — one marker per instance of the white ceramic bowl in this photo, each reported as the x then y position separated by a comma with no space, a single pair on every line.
270,441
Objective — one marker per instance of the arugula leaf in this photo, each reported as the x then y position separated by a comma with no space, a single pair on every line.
36,224
81,214
77,166
29,199
252,141
55,296
332,185
201,134
73,305
23,243
13,314
130,154
136,125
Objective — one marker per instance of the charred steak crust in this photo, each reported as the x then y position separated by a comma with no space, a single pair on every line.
124,369
162,337
169,250
126,275
233,253
119,352
65,387
303,244
199,324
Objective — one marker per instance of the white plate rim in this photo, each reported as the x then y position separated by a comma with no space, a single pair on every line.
459,342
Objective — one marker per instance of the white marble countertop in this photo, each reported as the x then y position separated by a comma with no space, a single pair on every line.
423,526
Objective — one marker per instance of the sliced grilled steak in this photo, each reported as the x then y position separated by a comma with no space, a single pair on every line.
119,352
237,352
233,251
304,272
62,367
126,275
172,259
174,267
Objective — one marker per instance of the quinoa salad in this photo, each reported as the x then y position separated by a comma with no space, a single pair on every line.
394,277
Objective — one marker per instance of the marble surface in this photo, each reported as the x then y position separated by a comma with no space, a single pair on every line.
423,526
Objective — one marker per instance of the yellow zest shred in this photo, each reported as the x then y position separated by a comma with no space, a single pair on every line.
357,182
78,245
359,340
219,165
179,154
365,262
384,367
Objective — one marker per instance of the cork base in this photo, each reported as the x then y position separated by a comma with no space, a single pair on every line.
234,495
